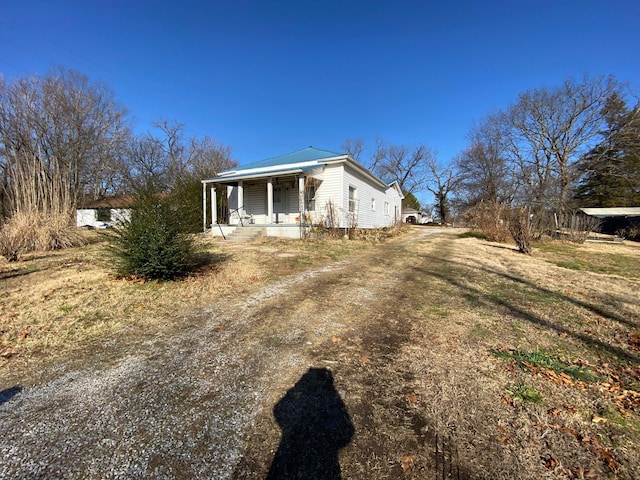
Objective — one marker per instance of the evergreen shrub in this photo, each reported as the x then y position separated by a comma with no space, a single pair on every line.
153,244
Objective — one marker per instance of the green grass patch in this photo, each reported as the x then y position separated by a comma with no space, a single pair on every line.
527,360
614,416
473,234
622,260
480,332
524,393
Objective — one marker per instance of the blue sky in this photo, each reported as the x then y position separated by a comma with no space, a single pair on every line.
267,78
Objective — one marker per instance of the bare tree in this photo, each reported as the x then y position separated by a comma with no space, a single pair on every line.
443,181
147,165
409,166
51,129
484,171
548,130
171,159
207,157
354,147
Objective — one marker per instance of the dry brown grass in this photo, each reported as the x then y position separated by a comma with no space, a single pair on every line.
53,303
408,329
485,297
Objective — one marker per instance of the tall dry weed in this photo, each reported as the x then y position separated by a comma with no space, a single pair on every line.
34,231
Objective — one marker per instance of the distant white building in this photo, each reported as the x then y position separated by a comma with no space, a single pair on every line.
411,215
107,211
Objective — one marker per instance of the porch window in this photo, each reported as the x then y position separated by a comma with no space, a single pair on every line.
352,199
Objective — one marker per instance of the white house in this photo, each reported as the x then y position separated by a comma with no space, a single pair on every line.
105,212
284,195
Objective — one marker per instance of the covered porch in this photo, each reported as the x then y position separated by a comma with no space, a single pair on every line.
273,201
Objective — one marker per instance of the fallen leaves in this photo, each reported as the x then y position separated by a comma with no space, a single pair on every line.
407,462
623,398
550,462
594,444
412,397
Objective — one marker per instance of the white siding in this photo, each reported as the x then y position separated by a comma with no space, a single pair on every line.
329,189
367,194
86,217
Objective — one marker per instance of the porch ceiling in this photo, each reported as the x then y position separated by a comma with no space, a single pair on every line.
309,170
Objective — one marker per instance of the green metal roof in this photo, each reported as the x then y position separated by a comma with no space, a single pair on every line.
304,155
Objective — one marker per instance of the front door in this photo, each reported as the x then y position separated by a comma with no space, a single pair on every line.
280,202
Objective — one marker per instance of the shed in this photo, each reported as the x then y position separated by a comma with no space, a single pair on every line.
104,212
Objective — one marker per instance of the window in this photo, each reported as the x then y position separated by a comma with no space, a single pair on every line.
373,204
310,197
386,208
352,199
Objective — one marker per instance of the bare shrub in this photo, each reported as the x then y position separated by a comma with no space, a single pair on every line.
631,231
523,227
490,218
330,219
352,226
575,227
32,231
329,223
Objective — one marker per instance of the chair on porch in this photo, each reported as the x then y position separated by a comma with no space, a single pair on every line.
241,216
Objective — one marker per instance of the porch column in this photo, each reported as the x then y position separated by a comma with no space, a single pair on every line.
269,200
214,208
240,198
301,205
204,207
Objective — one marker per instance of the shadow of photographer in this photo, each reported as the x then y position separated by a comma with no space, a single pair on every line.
315,425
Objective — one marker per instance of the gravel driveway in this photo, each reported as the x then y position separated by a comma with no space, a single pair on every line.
185,405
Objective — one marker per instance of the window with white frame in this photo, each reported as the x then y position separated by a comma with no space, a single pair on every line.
386,208
373,204
352,199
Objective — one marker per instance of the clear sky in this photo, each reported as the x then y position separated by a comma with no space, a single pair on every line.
270,77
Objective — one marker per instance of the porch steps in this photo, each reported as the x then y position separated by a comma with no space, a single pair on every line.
246,234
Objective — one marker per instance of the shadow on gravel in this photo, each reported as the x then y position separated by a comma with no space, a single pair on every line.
315,426
9,393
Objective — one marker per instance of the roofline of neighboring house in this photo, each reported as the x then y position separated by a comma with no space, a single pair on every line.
115,201
602,212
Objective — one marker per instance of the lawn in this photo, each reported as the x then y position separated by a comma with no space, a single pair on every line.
447,348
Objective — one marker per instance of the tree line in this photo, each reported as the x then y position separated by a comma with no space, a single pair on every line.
553,150
65,139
